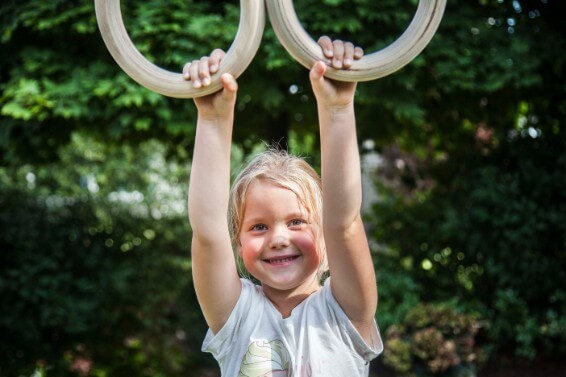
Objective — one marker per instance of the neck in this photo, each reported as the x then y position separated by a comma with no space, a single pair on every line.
287,300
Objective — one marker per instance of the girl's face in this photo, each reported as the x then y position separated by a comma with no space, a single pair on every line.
277,243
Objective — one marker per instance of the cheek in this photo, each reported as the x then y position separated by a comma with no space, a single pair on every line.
250,248
306,242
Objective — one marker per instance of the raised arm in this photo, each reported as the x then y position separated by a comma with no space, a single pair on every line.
214,269
353,280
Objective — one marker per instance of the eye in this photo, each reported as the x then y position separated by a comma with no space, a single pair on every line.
258,227
295,223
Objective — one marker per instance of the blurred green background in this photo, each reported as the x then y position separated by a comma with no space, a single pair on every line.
464,175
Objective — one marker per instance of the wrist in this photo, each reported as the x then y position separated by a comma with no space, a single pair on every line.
215,124
335,110
215,118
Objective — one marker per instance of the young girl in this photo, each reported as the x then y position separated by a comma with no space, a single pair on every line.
287,225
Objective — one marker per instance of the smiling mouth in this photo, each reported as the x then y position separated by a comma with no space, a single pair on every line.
278,261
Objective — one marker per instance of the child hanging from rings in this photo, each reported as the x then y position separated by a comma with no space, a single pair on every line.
288,226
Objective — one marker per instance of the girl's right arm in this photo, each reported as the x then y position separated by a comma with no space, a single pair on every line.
215,275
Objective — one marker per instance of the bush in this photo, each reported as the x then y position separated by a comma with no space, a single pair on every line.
490,231
95,266
434,339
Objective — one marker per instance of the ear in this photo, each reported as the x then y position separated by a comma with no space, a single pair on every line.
239,248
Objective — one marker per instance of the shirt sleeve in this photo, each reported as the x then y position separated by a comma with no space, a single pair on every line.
219,344
349,332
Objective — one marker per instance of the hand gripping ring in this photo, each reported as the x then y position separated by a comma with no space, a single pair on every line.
122,49
373,66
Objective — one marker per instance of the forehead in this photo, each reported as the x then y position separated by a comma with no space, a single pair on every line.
265,195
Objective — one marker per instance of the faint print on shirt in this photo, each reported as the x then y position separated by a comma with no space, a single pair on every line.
271,359
266,359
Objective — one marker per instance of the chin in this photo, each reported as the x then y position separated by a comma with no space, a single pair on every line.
290,284
281,285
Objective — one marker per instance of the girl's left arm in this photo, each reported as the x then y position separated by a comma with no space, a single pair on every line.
353,281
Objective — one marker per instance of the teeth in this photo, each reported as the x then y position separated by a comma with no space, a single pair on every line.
283,260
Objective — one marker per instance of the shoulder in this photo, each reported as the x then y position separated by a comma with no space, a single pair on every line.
365,339
251,294
250,316
322,306
250,297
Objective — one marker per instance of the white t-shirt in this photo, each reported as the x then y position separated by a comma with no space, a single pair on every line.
317,339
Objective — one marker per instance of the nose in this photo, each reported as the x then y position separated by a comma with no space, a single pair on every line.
279,238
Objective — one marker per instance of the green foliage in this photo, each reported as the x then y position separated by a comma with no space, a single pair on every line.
472,204
95,265
399,292
433,339
492,239
471,200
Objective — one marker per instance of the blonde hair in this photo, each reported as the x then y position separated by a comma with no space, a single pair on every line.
289,172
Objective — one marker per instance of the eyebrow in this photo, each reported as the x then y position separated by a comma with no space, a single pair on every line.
290,215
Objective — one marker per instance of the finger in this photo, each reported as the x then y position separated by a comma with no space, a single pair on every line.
186,71
203,71
326,44
215,58
338,54
358,53
317,72
193,74
230,86
348,54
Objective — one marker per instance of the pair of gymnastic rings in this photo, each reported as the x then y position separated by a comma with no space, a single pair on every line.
246,43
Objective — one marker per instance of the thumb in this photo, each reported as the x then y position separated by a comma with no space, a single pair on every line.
230,85
317,73
317,76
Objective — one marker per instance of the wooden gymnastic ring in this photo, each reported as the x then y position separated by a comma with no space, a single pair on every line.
306,51
122,49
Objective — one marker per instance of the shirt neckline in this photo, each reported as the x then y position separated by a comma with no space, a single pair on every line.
278,314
